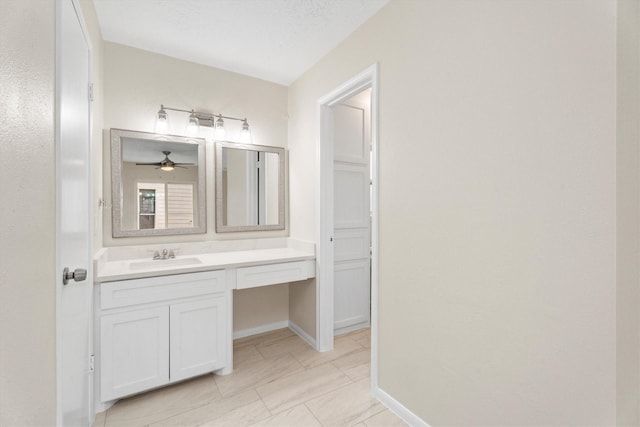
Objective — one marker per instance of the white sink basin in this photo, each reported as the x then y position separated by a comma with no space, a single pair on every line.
163,263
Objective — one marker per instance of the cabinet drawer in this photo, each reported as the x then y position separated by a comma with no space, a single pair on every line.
154,289
271,274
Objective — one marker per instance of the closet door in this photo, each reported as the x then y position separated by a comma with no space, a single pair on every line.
352,181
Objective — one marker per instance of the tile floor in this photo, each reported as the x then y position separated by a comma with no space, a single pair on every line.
278,380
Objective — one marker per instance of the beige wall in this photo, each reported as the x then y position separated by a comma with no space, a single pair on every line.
27,218
302,306
497,205
628,214
257,307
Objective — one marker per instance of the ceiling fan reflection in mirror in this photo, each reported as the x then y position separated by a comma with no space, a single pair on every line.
167,164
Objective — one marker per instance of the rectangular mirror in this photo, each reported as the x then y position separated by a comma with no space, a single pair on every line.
157,184
250,187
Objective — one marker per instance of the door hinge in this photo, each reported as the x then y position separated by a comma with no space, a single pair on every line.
91,92
92,363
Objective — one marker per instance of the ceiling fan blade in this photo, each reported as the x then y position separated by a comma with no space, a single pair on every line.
148,164
184,164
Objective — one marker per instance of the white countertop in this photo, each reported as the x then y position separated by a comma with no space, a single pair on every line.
108,270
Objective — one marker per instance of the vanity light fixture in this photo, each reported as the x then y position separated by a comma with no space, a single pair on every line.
162,121
197,119
193,124
219,132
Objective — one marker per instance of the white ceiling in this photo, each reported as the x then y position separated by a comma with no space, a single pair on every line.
275,40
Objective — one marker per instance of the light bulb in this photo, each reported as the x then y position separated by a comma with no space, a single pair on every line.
162,121
245,134
193,124
220,132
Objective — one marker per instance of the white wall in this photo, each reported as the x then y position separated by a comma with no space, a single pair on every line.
497,205
27,218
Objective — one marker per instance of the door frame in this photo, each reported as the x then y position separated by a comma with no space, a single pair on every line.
90,210
368,78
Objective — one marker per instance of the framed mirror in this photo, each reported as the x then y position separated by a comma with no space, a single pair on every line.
157,184
250,187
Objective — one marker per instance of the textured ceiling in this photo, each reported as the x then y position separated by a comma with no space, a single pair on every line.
275,40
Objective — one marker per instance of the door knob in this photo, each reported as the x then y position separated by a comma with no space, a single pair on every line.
79,274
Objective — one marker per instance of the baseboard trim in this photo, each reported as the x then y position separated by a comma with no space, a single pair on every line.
398,408
103,406
346,329
302,334
260,329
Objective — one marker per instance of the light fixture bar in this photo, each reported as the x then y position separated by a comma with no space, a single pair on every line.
206,117
197,119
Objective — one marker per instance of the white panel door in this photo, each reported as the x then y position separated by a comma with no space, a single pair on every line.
198,337
351,147
353,304
134,352
74,302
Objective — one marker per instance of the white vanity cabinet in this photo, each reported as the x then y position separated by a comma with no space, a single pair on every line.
159,330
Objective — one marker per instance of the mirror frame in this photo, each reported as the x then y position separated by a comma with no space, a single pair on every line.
116,184
282,187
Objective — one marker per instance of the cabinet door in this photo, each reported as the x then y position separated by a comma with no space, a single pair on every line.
198,337
134,352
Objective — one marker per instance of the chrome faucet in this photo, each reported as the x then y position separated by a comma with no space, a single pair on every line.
166,254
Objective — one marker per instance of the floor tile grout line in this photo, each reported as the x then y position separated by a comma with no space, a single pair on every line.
271,414
312,414
268,382
317,396
328,361
320,395
382,406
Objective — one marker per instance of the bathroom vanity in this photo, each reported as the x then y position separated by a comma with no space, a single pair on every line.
164,312
165,320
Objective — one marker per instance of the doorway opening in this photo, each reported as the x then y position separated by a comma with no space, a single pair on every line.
347,237
352,213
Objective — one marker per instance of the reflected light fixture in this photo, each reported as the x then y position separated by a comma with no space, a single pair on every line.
197,119
245,134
